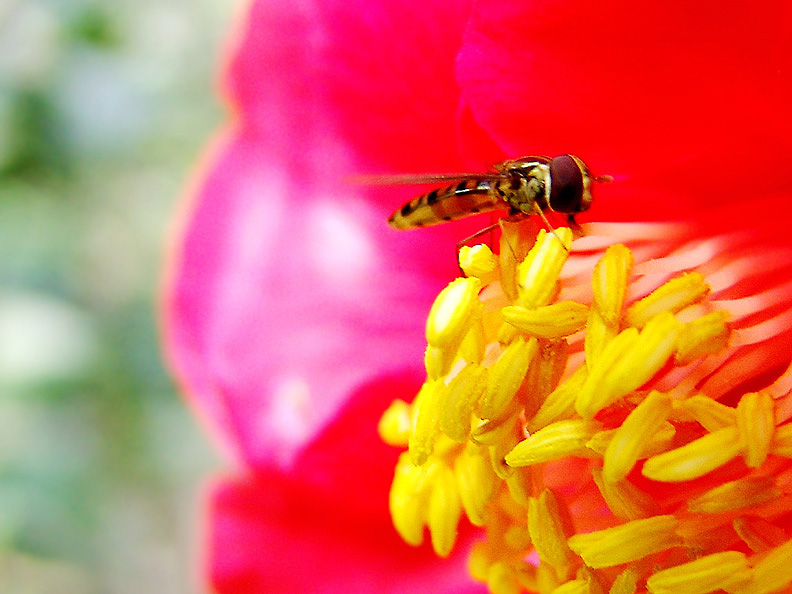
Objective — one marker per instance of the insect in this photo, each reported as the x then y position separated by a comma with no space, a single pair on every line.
524,187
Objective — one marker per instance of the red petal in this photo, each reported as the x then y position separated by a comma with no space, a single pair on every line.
324,526
373,78
683,103
268,535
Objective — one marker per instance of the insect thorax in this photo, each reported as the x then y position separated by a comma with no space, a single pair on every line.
524,187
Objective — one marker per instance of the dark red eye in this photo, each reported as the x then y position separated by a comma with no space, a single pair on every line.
566,185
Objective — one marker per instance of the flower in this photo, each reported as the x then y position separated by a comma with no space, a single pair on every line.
293,316
599,426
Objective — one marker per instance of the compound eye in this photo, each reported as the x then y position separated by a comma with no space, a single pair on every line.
566,185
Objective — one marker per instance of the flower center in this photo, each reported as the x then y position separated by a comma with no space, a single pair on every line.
566,419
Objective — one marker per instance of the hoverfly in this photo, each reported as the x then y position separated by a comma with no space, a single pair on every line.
524,187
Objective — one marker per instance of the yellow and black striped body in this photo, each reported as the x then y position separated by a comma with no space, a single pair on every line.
447,204
526,186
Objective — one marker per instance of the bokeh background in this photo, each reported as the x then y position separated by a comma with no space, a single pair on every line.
104,109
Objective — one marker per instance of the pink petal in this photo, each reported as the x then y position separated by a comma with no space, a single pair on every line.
282,301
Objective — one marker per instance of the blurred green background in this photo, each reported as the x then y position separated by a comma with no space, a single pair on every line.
104,108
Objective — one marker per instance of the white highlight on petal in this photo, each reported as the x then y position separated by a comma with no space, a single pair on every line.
748,306
259,223
290,412
601,235
763,331
341,246
753,263
687,257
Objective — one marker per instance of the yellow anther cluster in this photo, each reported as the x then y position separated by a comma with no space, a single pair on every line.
547,422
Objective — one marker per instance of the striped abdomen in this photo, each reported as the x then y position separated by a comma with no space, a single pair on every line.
447,204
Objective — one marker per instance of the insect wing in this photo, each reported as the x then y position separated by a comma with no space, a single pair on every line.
421,178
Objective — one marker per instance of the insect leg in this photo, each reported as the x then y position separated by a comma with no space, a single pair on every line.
577,230
513,217
464,242
541,213
478,233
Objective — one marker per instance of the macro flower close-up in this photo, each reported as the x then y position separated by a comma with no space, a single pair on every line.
602,408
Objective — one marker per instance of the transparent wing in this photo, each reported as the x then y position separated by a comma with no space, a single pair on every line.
421,178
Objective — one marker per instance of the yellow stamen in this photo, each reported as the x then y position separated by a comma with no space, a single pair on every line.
426,410
546,578
517,537
474,345
460,399
759,534
546,370
655,345
476,482
579,585
739,494
409,496
610,282
707,335
656,443
711,414
672,297
478,261
502,579
506,376
592,396
506,332
394,425
772,572
449,321
451,312
628,362
537,275
599,333
628,542
756,422
438,361
549,321
719,571
519,482
695,459
496,431
557,440
516,241
624,499
634,435
498,454
626,582
546,527
479,562
560,403
445,510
